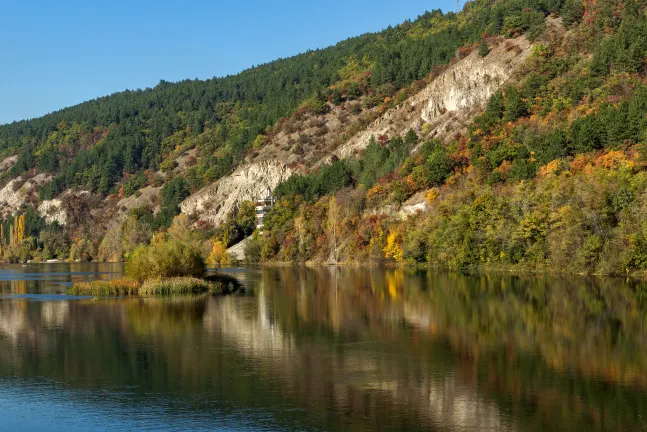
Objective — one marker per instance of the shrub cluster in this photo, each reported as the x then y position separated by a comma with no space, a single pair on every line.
165,259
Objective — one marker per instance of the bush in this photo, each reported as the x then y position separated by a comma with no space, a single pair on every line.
484,49
253,249
103,288
164,259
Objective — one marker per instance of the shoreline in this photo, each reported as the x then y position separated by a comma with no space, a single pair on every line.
471,271
638,275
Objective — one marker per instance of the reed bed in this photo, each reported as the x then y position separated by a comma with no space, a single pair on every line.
214,285
175,286
106,288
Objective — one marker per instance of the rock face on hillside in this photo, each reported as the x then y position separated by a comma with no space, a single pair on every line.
237,252
53,211
19,192
147,197
451,100
447,105
249,182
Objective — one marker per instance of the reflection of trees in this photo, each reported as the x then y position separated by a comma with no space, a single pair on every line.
391,389
18,279
564,349
588,325
591,325
365,349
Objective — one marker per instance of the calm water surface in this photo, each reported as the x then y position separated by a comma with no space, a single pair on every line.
325,349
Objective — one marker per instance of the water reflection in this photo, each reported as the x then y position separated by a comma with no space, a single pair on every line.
355,349
54,278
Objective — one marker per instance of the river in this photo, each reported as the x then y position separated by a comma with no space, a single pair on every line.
325,349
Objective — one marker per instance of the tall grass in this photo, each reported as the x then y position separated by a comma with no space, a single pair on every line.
106,288
215,285
175,286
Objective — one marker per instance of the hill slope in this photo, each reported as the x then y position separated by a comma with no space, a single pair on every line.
376,146
550,177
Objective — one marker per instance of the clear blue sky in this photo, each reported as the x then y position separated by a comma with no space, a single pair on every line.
60,53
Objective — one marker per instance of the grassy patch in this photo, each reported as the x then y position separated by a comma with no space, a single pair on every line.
175,286
106,288
214,285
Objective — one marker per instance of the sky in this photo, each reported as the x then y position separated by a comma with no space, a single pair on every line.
60,53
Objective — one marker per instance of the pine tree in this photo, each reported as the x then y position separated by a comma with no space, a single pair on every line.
515,107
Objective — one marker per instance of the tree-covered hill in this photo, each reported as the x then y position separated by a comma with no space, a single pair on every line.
551,177
96,144
119,144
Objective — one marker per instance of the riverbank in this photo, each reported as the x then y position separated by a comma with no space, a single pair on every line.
483,269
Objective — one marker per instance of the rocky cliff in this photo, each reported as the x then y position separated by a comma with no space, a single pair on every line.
451,100
250,181
440,110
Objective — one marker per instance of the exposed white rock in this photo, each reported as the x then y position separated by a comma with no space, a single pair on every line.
18,192
412,209
8,163
52,211
145,197
451,100
249,182
237,251
416,203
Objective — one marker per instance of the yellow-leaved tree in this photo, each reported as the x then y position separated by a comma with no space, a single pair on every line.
393,248
219,255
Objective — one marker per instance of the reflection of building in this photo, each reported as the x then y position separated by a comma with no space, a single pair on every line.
263,206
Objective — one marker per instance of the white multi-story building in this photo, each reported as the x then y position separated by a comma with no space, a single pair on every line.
263,206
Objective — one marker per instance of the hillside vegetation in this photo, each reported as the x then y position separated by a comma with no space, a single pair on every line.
550,176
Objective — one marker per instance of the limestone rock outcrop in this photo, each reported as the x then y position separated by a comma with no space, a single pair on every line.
249,182
450,101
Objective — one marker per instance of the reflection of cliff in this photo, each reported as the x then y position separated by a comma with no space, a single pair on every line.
13,321
347,373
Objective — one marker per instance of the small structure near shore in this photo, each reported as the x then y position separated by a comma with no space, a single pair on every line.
263,207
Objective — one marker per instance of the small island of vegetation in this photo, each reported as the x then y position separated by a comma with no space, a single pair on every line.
165,267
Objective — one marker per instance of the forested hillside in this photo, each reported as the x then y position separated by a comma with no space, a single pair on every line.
550,177
576,113
96,145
